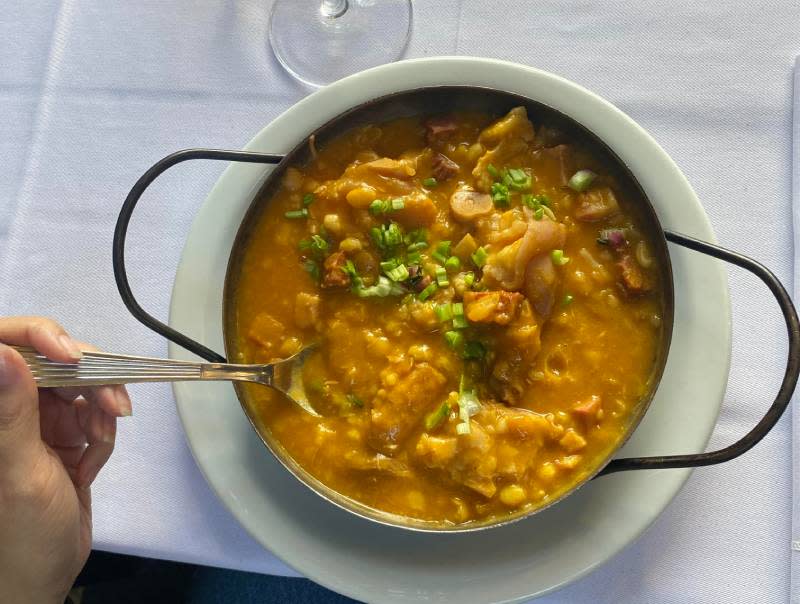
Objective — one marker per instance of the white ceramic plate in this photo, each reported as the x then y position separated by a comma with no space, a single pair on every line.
381,564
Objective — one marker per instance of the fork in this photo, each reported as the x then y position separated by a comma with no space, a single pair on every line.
103,368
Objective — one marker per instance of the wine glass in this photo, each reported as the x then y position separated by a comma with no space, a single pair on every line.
321,41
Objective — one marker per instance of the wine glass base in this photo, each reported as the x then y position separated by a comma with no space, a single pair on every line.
317,49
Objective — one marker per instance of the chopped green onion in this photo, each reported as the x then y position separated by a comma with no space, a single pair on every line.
389,264
460,322
567,300
534,201
517,174
416,236
453,338
468,405
397,204
444,312
355,280
413,258
581,180
302,213
442,251
377,207
419,245
548,212
517,179
377,238
428,291
317,245
463,427
433,419
469,279
458,309
480,256
430,182
441,277
400,273
474,351
308,199
452,264
381,289
392,235
492,171
538,214
312,268
559,259
500,195
355,400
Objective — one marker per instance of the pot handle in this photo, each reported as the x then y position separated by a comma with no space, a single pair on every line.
781,401
121,231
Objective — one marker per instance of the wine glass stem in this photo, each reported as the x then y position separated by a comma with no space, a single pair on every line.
333,8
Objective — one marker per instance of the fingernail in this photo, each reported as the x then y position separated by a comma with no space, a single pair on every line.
124,402
69,346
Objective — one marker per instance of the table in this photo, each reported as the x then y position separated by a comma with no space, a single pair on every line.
94,91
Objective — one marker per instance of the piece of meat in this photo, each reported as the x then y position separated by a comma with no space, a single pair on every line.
632,277
358,460
418,211
405,400
500,307
467,205
498,156
443,168
541,280
517,347
588,409
334,276
397,168
506,268
306,310
439,127
596,204
560,159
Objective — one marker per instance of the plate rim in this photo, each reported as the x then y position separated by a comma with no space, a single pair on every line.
702,229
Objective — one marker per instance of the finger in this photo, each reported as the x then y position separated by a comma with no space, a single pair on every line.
114,400
58,420
20,440
45,335
101,430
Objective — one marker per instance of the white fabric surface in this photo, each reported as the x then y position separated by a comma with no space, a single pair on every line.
795,565
93,91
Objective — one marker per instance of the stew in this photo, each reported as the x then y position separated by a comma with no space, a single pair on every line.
488,309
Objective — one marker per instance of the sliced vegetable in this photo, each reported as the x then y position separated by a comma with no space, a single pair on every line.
538,214
567,300
442,251
474,351
500,195
413,258
452,264
493,172
399,273
428,291
308,199
469,279
559,259
480,256
381,289
517,179
581,180
435,418
453,338
430,182
441,277
397,204
293,214
317,245
444,312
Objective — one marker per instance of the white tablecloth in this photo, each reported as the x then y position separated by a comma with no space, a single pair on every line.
93,91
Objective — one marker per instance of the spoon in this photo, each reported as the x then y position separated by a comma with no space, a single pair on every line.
102,368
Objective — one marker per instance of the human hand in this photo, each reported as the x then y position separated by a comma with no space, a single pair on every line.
53,442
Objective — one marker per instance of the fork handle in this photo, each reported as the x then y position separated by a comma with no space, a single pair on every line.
102,368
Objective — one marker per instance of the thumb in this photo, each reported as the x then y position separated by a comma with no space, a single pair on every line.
20,434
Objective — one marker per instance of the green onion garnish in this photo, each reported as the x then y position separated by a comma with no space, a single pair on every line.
308,199
302,213
355,400
381,289
430,182
317,245
428,291
517,179
559,259
452,264
392,235
419,245
312,268
398,274
441,277
433,419
460,322
474,351
534,201
377,238
500,195
444,312
397,204
567,300
413,258
581,180
377,207
492,171
469,279
453,338
480,256
416,236
458,309
390,264
538,214
442,251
